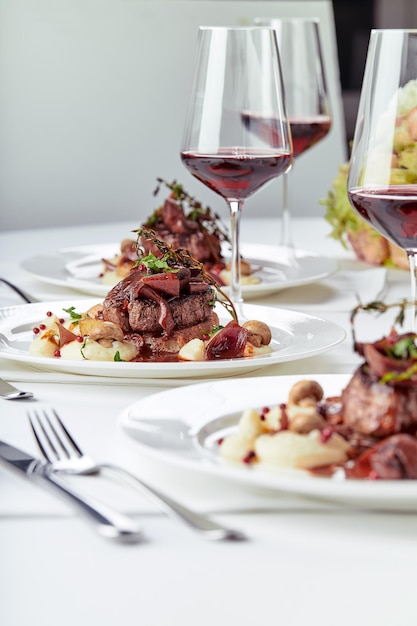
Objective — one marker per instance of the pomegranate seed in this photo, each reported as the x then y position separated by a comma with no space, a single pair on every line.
42,326
49,314
220,441
265,410
80,339
325,434
57,353
61,320
249,457
206,337
36,331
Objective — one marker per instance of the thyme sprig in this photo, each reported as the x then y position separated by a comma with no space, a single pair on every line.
405,348
182,257
376,306
207,220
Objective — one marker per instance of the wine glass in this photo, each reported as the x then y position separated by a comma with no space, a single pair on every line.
237,73
306,96
382,180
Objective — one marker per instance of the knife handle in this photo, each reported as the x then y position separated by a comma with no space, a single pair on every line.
110,524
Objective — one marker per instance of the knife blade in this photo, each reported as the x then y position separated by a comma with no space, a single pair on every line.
9,392
109,523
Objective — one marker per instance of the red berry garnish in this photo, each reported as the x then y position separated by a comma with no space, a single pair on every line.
61,320
325,434
36,331
80,339
42,326
57,353
250,456
49,314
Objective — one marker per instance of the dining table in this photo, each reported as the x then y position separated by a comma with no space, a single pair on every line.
307,557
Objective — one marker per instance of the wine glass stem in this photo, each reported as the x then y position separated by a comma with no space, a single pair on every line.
286,235
412,262
235,292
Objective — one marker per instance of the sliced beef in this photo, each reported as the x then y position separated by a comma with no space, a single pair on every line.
392,458
376,409
142,305
173,227
162,344
186,311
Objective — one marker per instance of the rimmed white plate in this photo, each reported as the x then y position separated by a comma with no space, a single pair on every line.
79,268
181,427
295,336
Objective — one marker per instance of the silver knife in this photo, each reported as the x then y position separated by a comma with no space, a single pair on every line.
110,524
8,392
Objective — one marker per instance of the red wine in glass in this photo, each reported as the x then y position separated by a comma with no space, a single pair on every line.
237,69
392,210
306,131
236,176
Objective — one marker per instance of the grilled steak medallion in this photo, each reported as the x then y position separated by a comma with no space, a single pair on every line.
381,397
166,309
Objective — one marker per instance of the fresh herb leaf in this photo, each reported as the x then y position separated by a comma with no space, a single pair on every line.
71,312
117,357
156,264
183,258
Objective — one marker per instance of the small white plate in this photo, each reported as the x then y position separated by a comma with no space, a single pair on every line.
79,268
181,427
295,336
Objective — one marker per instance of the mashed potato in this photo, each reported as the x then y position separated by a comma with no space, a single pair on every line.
81,338
293,435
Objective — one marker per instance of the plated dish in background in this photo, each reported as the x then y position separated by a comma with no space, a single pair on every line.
79,268
183,427
294,336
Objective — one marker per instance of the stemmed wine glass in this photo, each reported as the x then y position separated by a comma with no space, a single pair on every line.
382,181
237,73
306,96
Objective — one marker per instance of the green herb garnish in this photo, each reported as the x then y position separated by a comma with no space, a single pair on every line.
71,312
183,258
156,264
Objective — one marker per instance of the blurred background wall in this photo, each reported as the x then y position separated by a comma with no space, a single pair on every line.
93,98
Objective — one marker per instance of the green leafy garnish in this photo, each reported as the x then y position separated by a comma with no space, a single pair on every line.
183,258
404,348
117,357
71,312
156,264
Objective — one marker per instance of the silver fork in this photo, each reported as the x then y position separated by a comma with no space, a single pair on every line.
59,448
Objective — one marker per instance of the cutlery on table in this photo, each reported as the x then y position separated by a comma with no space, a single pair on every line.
25,296
110,524
64,455
9,392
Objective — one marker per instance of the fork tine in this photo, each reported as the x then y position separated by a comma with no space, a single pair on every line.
37,428
54,440
67,433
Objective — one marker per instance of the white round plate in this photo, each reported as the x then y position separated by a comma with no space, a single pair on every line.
79,268
295,336
181,426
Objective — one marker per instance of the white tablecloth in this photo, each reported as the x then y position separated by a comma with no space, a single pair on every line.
305,561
